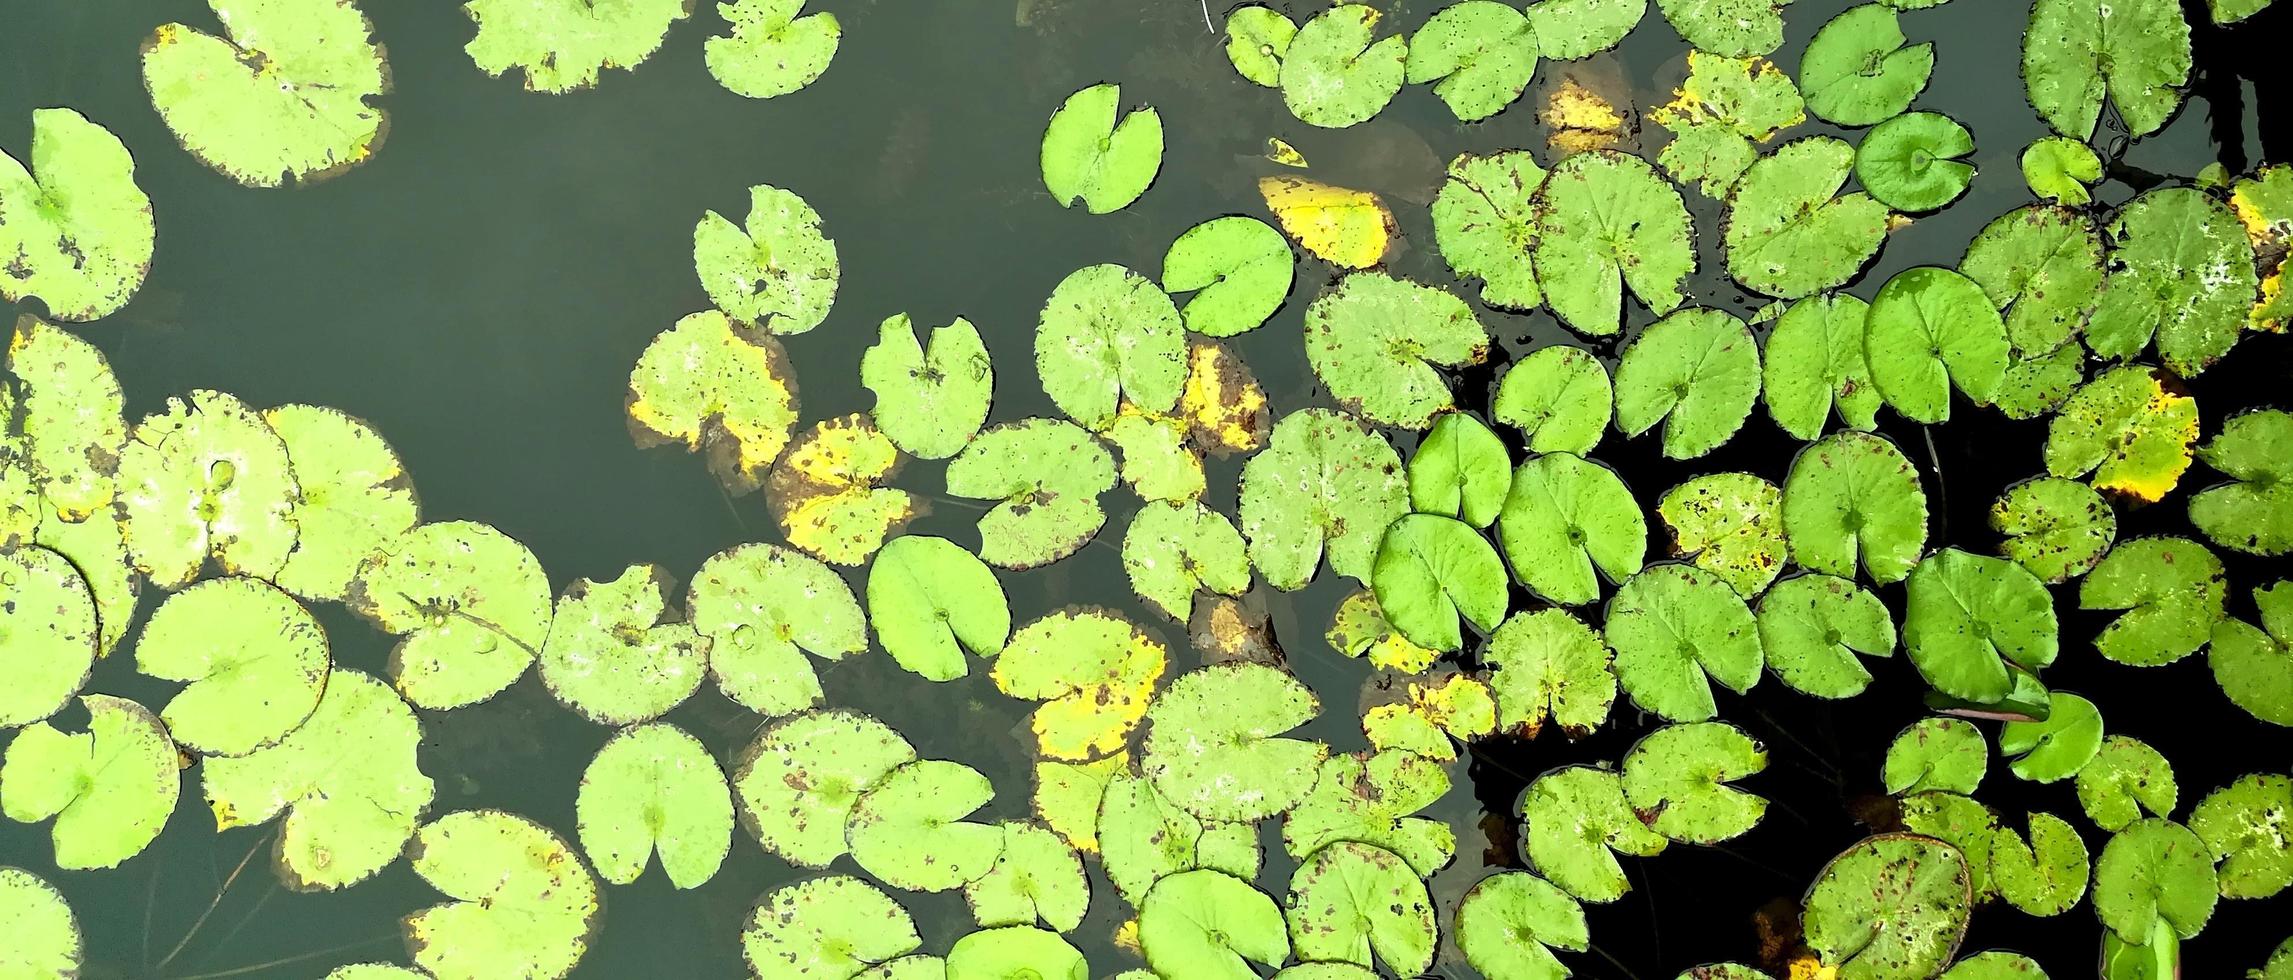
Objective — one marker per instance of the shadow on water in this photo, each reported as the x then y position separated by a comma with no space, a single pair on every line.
479,290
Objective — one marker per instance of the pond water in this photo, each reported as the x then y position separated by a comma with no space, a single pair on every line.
479,291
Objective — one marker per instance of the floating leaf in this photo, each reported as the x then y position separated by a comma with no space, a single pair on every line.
1484,225
1606,220
75,227
1731,28
778,273
109,788
1572,29
798,781
1968,615
1676,777
287,92
1213,747
1325,479
1559,397
1370,798
2124,778
1211,925
1015,952
2245,824
1716,114
762,607
524,903
2253,514
2180,271
1238,267
72,429
206,479
1547,664
655,788
1359,627
44,934
1094,669
1334,74
1145,838
1432,713
1698,372
1854,496
1092,158
2255,668
2037,386
1789,232
1729,524
2159,955
1931,329
2152,871
1580,119
1158,463
1068,794
563,45
1911,162
48,618
1960,821
1815,361
470,605
1857,70
611,657
771,50
1347,228
1568,524
344,822
1936,753
1224,407
908,828
2075,51
1355,902
2172,589
1460,470
1256,40
1895,905
354,497
1375,342
2060,169
254,659
1174,550
828,928
2045,876
1812,627
826,492
2129,429
2264,204
1572,818
1478,54
1509,923
1108,333
1431,570
930,601
713,386
1672,625
2057,747
2056,528
929,401
1046,475
1037,877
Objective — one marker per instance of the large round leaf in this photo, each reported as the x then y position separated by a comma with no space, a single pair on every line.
76,228
762,607
1891,906
71,422
1790,233
930,601
355,496
1572,819
771,51
470,604
1093,158
1212,925
777,272
1015,953
1812,627
1375,342
2057,528
110,788
1335,73
1478,54
1931,329
827,492
2153,871
1968,615
1857,69
1568,524
206,479
48,619
1046,476
1324,482
1672,625
1238,267
1509,923
828,928
2076,51
654,788
1911,162
1729,524
1360,904
523,903
798,781
714,386
254,659
2172,590
1559,397
1814,362
1213,742
1430,571
930,400
287,92
1698,372
1676,779
2179,270
1854,497
1606,220
1936,754
2042,265
908,829
1484,225
2125,778
2126,428
2254,512
1549,665
2248,825
1037,877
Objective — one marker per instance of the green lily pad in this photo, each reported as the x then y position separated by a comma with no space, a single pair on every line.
1015,953
344,823
798,781
2042,266
1960,821
1335,73
1968,616
1213,742
48,617
1895,905
2155,870
2060,169
1094,669
1676,777
1572,819
287,92
827,492
1145,838
777,273
1573,29
1092,158
1730,28
1430,716
1484,225
76,228
1478,54
2255,668
1046,476
908,830
1256,39
2039,385
110,788
1911,162
1558,397
827,928
1068,795
1853,496
929,401
2128,429
771,50
1174,550
1549,665
1107,334
2058,747
355,496
206,479
714,386
1697,371
611,657
2246,825
1510,922
469,603
1376,341
1037,877
2076,51
1159,463
1815,362
2044,876
1568,524
1812,629
2058,529
1931,329
524,904
1361,904
254,660
655,788
563,45
71,422
2254,513
2157,957
917,966
2126,777
1460,470
1212,925
1238,267
1857,69
930,601
1370,798
1606,220
1672,626
1722,108
1430,570
1326,482
2180,271
1936,753
46,934
1789,231
2172,590
761,608
1729,524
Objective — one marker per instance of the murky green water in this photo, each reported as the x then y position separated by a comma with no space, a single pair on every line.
480,289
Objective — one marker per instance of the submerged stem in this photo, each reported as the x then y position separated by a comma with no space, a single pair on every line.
212,904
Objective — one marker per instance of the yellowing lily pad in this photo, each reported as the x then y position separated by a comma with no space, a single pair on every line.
713,386
826,493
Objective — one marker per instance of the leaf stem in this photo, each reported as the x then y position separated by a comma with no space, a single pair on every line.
212,903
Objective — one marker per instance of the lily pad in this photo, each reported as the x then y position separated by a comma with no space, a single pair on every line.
1256,39
1174,550
1911,162
1815,363
254,660
1960,821
2058,529
654,788
1723,107
777,273
1068,795
1376,341
1213,743
1929,330
1348,228
611,656
1606,220
1568,524
908,830
1895,905
761,608
930,601
1697,371
1857,69
2076,51
1336,73
930,400
798,781
1729,524
1789,231
2172,590
2058,747
1572,819
1145,838
1094,670
49,620
1015,953
2045,876
2245,824
1431,570
1478,54
1509,923
1676,777
287,92
1107,334
1324,482
1238,267
2180,272
1092,158
1484,225
1936,753
826,492
2125,778
1430,716
45,934
1731,28
714,386
827,928
1548,664
1558,397
2151,871
1812,629
1359,903
110,788
2060,169
1968,616
2255,668
1853,496
1359,629
524,904
469,603
563,45
206,480
1460,470
71,424
1211,925
771,50
1037,877
1158,462
1672,626
1574,29
2128,429
1370,798
76,228
354,497
1224,406
1046,476
2042,266
2254,513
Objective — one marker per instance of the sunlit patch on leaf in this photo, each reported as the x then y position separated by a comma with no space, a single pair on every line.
762,608
1580,120
827,495
110,788
1347,228
1093,158
563,45
1095,671
470,604
206,480
616,654
797,782
287,93
713,386
2128,429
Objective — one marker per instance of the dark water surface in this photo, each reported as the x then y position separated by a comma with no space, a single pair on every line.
480,289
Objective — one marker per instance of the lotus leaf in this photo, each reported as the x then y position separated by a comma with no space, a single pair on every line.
1789,232
1094,669
772,50
524,904
1509,923
1213,742
287,92
2123,779
1672,626
761,607
1478,54
2076,51
1895,905
2248,825
2046,875
206,479
1606,220
931,400
1812,627
1853,496
1857,69
1936,753
1573,818
1324,482
1814,362
1092,158
714,386
1484,225
110,788
1968,616
1211,925
828,928
469,603
655,788
2172,590
2178,272
1353,902
1697,371
2254,513
1036,877
798,781
76,228
254,660
1335,73
1046,476
563,45
2154,870
612,658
